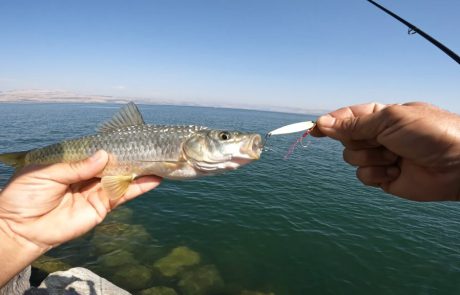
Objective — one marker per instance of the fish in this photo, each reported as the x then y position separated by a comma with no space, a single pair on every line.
138,149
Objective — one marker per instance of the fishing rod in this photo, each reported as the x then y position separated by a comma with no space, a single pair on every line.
308,126
413,29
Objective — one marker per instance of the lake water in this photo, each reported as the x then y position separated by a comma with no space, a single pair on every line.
303,225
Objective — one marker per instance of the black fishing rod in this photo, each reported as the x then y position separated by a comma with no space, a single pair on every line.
413,29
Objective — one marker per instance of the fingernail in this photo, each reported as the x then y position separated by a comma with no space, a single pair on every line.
393,171
326,121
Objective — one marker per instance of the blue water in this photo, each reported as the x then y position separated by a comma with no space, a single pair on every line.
299,226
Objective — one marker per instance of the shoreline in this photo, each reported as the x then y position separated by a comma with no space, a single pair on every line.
161,103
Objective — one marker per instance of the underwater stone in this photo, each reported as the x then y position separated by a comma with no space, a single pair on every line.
138,233
111,228
158,291
150,253
120,214
103,246
178,260
133,277
113,236
202,280
117,258
50,264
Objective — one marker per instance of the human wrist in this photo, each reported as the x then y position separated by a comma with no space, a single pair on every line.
16,252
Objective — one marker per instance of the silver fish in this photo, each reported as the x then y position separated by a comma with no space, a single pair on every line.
137,149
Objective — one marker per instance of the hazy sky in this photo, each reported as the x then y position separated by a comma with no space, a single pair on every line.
309,54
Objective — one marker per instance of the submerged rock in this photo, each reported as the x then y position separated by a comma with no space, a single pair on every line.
133,277
50,264
178,260
106,237
117,258
120,214
111,228
150,253
158,291
113,236
202,280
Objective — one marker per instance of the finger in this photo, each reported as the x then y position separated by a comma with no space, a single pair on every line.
316,132
360,144
369,157
419,104
69,173
93,185
377,175
141,186
138,187
345,113
100,203
358,110
360,126
332,124
85,186
92,191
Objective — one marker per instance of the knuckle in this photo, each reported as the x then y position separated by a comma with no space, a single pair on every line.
394,112
358,157
351,157
349,124
419,104
377,106
359,175
76,168
363,176
345,155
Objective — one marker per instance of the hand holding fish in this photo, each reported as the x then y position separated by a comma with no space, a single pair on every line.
410,150
44,206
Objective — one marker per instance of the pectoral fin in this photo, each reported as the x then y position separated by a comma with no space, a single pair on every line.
116,185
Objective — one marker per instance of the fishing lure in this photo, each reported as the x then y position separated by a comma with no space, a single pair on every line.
305,127
293,128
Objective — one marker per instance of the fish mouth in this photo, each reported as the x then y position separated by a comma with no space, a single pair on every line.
253,148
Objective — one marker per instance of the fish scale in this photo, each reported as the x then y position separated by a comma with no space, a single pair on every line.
137,149
127,146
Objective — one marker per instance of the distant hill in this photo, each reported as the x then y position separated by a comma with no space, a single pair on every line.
59,96
50,96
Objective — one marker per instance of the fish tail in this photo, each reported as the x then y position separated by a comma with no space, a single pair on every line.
17,160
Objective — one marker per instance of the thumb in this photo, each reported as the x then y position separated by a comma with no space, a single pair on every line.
69,173
364,127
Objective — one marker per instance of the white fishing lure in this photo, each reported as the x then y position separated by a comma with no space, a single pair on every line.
293,128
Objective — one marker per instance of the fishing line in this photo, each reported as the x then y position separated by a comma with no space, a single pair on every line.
305,127
414,30
299,141
264,144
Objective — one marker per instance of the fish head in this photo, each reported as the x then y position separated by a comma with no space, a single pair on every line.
211,151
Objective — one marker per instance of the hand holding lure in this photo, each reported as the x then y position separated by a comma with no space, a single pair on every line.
305,127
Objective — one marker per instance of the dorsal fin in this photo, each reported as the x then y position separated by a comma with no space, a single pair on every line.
128,115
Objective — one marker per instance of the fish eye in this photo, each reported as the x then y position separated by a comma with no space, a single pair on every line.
224,135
